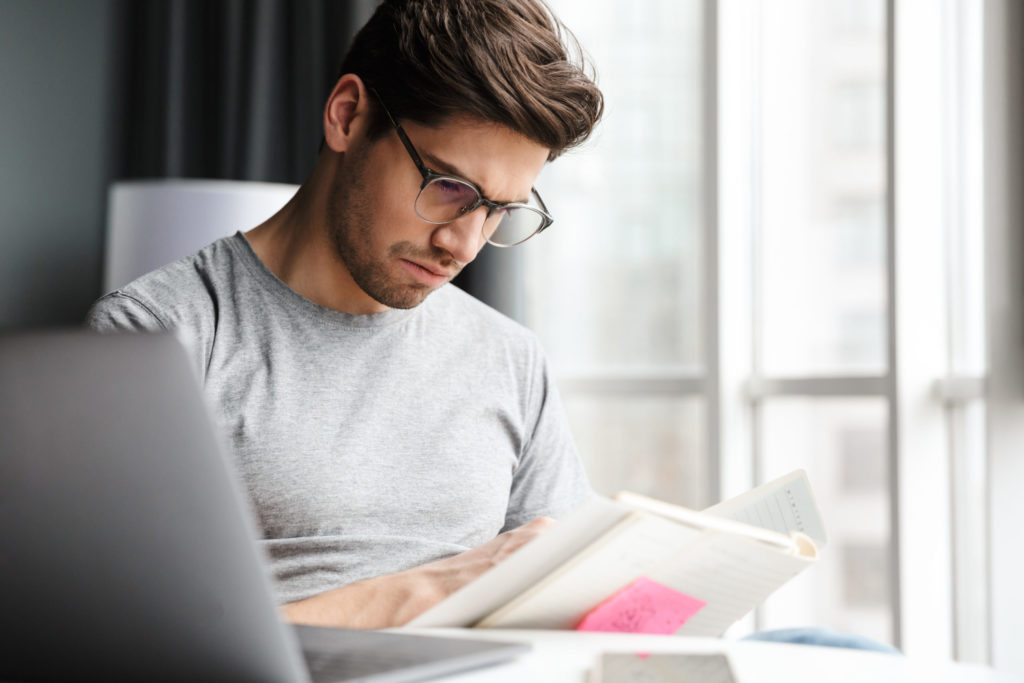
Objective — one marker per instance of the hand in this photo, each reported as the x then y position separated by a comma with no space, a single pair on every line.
446,576
395,599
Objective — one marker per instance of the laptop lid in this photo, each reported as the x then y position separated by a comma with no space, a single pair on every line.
126,541
126,548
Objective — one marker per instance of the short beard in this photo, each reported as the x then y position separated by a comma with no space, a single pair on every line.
349,225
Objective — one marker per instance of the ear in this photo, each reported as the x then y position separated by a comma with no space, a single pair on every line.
346,112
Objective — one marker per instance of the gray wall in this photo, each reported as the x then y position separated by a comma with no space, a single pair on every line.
55,100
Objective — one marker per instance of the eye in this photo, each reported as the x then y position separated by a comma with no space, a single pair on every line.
451,187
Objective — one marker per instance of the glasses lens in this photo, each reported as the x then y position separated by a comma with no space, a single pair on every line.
512,226
444,199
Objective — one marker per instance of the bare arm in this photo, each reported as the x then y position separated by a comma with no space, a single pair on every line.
394,599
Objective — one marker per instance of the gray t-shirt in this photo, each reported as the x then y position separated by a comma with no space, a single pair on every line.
369,443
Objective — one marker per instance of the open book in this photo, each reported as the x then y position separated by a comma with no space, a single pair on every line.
729,557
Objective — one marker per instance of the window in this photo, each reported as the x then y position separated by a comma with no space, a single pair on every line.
616,288
761,262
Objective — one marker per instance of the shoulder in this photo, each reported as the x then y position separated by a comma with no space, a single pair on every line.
181,294
185,297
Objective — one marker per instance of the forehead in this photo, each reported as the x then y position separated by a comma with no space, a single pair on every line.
501,161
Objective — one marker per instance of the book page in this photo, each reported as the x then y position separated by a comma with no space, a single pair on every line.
700,520
526,566
785,504
620,556
731,574
662,668
554,580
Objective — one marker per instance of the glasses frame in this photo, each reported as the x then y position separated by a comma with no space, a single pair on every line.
430,175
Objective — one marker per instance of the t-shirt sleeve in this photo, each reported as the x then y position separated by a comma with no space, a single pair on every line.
120,312
549,480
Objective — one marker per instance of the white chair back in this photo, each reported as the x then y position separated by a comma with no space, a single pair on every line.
153,222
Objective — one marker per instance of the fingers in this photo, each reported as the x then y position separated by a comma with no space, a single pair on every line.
539,523
512,540
531,529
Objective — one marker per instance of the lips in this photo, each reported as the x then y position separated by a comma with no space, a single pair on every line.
440,272
432,276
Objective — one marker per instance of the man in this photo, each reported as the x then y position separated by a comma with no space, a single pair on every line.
397,437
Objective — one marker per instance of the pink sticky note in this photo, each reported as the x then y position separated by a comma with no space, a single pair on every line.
643,606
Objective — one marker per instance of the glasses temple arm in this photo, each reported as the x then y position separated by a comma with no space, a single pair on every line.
406,142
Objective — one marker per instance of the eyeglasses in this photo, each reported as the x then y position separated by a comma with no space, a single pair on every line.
444,198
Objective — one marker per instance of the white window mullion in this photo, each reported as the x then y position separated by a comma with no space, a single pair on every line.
712,244
762,387
628,382
969,481
737,86
736,198
963,391
920,350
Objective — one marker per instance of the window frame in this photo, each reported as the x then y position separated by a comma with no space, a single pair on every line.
928,390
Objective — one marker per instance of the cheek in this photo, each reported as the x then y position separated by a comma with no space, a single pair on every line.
393,213
397,209
392,178
398,220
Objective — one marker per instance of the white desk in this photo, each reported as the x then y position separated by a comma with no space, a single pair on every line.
567,657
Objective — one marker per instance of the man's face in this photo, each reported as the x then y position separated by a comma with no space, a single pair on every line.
394,256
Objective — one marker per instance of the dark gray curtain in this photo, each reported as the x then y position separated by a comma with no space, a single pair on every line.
228,89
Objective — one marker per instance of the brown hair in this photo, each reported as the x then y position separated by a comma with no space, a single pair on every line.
510,62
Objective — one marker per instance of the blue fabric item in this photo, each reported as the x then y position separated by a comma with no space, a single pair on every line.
825,637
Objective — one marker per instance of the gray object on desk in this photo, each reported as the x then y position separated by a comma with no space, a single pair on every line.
127,547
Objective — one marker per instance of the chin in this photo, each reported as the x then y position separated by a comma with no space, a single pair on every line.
411,297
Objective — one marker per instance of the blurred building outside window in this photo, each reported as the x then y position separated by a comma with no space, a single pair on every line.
705,346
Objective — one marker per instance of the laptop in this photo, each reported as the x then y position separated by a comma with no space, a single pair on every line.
127,544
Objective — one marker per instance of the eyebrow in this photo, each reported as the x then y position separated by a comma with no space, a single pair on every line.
442,167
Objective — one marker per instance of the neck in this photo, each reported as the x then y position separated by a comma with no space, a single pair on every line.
296,246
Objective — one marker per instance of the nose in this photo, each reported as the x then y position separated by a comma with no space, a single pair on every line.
463,237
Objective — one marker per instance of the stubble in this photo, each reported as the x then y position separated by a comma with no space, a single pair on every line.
350,226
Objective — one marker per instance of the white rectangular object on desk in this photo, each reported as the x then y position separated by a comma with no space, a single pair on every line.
662,668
